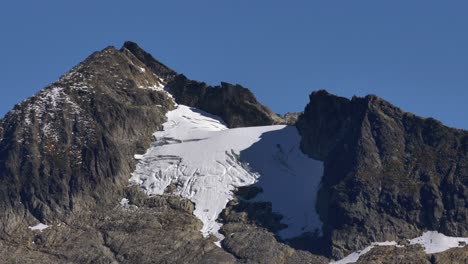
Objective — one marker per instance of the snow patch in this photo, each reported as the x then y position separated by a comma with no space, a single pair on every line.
124,202
432,241
38,227
207,162
44,107
435,242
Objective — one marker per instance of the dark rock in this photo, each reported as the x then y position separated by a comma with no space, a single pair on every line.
388,174
248,192
70,147
161,70
236,105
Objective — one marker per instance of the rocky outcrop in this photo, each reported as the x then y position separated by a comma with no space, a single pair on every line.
388,174
413,254
70,147
161,70
235,104
291,118
147,230
249,229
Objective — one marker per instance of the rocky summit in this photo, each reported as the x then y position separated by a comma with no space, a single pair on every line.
124,160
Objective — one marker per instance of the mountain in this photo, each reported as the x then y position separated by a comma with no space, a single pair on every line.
124,160
388,174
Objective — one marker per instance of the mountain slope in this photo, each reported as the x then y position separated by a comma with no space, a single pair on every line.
69,147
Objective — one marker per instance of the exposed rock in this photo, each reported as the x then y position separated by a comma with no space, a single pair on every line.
413,254
153,233
291,118
71,146
395,255
453,256
161,70
388,174
236,105
249,229
252,244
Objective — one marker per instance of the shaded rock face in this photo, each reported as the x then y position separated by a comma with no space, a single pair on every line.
388,174
70,147
161,70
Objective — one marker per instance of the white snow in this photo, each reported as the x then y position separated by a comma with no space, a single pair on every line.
44,107
124,202
207,161
38,227
434,242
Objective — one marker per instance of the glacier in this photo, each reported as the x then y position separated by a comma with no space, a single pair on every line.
207,162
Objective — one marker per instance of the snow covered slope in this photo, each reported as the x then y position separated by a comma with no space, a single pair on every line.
207,161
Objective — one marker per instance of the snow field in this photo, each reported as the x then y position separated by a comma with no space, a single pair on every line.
207,162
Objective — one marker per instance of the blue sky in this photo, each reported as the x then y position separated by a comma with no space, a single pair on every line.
412,53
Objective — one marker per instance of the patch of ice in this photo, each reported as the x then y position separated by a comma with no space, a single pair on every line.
138,157
124,202
207,162
435,242
38,227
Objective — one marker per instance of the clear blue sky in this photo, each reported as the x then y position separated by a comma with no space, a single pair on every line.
412,53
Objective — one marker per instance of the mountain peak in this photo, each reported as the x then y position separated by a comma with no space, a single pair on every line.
156,67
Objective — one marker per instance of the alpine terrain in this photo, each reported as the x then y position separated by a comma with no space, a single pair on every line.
124,160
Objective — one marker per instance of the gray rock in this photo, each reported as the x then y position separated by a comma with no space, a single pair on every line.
388,174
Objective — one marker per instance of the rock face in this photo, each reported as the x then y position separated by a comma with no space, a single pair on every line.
388,174
235,104
70,147
154,230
